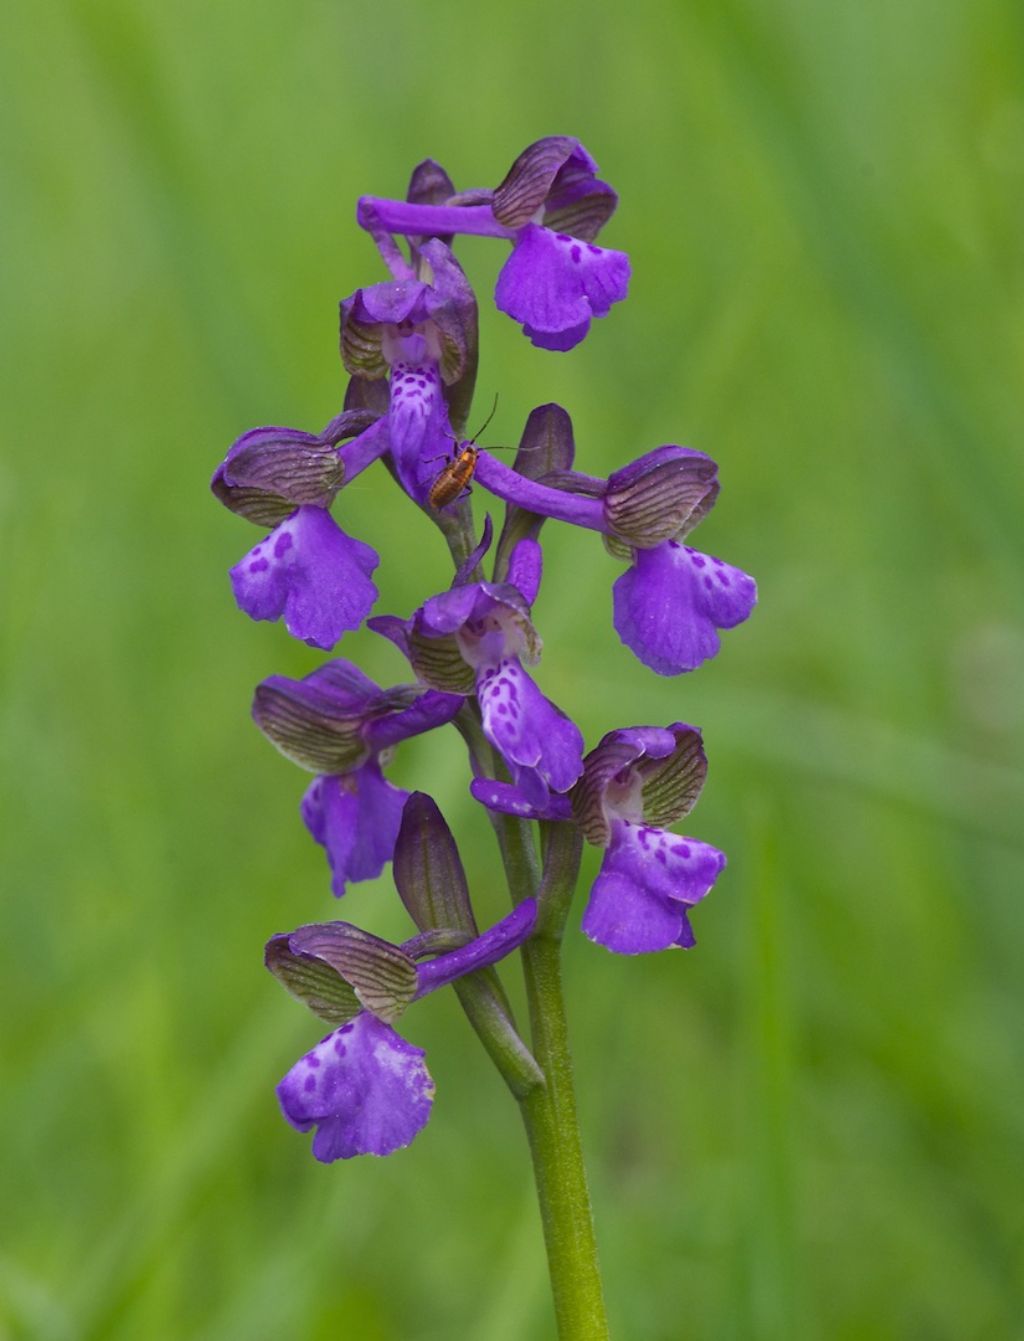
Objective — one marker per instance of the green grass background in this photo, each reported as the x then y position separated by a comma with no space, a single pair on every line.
809,1127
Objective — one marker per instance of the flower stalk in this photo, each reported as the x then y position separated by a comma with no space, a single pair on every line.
550,1116
409,344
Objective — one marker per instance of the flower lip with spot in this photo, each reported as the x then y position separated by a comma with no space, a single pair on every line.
671,602
556,280
338,724
553,285
551,205
423,337
365,1089
635,782
310,573
412,320
474,638
307,570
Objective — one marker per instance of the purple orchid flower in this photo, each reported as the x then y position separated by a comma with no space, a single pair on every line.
635,783
553,284
670,603
421,336
551,206
338,724
312,574
363,1087
307,570
474,639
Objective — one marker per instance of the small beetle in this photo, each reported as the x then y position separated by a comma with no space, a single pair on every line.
455,477
458,473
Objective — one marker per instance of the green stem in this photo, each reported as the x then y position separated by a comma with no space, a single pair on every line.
482,999
549,1111
549,1114
456,525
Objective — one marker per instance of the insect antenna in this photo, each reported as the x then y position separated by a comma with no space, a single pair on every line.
494,408
506,447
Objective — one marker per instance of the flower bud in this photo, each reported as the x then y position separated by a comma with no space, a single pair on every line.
428,871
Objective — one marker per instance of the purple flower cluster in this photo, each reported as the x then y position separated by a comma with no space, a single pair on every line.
409,345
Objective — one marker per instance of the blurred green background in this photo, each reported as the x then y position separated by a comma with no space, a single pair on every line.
811,1125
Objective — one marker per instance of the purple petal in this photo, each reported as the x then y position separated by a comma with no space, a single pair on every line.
394,629
473,559
525,567
308,570
541,746
553,284
488,948
398,216
449,611
533,496
428,870
429,184
626,919
355,818
509,800
339,682
558,342
318,722
611,762
686,940
365,1089
449,290
430,710
391,302
669,604
362,451
541,168
672,783
415,395
311,809
579,203
654,742
646,875
421,436
453,312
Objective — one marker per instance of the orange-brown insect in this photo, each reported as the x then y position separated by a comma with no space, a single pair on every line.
458,473
455,477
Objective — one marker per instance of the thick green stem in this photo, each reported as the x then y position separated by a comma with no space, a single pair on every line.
553,1132
549,1114
549,1111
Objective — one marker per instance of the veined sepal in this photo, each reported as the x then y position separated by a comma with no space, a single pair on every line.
337,970
439,663
671,786
656,773
556,178
319,723
269,472
661,496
